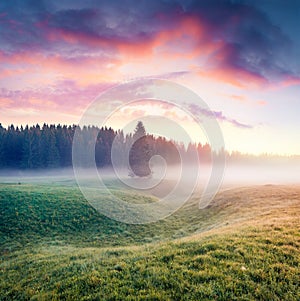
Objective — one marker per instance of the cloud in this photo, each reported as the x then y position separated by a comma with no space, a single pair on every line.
230,41
197,110
168,75
5,102
246,100
239,98
64,96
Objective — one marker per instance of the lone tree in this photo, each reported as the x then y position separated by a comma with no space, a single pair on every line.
140,152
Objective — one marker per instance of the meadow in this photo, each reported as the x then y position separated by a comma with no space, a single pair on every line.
55,246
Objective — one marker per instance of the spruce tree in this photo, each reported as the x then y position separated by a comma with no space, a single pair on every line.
140,152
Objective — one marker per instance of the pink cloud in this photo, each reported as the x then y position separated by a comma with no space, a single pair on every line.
246,100
5,102
261,102
65,96
239,98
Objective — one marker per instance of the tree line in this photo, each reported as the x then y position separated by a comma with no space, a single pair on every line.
50,146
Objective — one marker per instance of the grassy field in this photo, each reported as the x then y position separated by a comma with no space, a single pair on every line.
244,246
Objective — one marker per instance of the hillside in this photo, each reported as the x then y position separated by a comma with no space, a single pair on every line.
244,246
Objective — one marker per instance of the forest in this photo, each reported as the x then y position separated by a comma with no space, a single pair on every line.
50,146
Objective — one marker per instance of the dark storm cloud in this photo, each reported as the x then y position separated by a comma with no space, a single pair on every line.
27,23
252,42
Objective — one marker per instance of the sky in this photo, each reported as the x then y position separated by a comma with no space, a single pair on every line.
240,57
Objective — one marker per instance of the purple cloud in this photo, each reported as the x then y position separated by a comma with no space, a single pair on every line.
197,110
252,43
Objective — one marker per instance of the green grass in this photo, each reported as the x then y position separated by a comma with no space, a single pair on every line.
54,246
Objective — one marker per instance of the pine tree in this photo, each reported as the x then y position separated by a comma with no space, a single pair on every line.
53,154
140,152
139,131
27,149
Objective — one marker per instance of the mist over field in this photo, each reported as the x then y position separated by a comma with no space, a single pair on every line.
234,174
262,174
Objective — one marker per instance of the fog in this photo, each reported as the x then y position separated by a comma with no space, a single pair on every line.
234,175
144,200
46,176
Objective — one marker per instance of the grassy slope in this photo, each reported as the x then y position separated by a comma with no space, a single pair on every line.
55,246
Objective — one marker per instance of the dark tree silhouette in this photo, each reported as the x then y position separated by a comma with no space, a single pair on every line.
50,146
139,131
140,152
